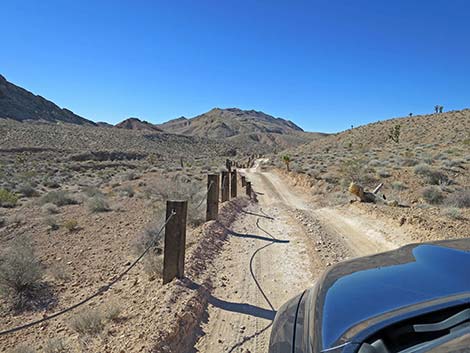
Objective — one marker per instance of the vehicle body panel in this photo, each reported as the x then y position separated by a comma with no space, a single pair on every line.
359,296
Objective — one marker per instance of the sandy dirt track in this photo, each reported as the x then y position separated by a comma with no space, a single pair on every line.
276,249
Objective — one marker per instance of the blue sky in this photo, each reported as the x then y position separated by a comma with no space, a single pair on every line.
326,65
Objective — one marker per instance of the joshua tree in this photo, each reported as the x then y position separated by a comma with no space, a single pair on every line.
436,109
286,160
441,108
394,133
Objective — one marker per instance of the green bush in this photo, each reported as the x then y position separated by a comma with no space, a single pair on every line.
71,225
7,198
432,195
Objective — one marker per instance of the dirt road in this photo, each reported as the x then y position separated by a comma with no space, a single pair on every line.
277,248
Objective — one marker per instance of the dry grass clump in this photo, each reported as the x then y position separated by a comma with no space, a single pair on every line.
58,198
91,321
23,348
88,322
21,274
432,195
460,199
55,345
71,225
8,198
153,260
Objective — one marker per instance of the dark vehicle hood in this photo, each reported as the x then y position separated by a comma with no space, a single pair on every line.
354,292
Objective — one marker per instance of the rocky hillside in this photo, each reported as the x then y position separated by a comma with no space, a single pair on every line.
137,124
19,104
241,126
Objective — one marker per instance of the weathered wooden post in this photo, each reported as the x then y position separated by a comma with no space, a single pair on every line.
243,180
175,240
225,186
233,183
248,189
212,197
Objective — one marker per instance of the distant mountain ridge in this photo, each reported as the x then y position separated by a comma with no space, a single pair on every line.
222,123
137,124
21,105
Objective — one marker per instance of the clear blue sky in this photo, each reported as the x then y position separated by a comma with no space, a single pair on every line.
323,64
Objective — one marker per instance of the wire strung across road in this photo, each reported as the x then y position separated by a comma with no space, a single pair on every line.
100,291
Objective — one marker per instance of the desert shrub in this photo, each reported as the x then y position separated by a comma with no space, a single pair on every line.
452,212
399,186
431,176
23,348
71,225
460,199
432,195
8,198
153,260
87,322
52,223
384,173
50,208
58,198
112,311
409,162
98,204
59,273
3,222
51,183
130,176
21,274
27,190
127,191
92,191
55,345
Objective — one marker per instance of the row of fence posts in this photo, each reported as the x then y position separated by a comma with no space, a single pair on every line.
223,185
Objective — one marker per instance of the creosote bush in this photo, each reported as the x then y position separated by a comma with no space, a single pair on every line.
21,273
7,198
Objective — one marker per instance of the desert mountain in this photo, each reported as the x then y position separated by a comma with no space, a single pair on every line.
221,123
241,127
137,124
19,104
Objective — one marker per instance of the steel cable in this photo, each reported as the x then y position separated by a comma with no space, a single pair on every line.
101,290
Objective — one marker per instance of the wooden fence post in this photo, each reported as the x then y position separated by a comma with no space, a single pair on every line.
212,197
248,189
233,184
175,240
243,180
225,186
